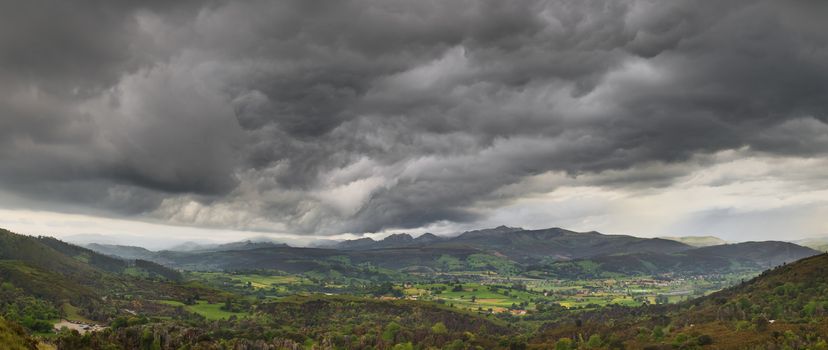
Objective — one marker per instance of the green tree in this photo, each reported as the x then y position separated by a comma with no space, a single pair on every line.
439,328
390,331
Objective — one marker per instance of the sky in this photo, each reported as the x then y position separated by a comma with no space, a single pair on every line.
165,121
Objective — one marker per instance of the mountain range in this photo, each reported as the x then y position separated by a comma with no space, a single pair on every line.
556,252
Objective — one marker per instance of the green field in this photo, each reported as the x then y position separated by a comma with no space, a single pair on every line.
474,296
490,291
203,308
524,293
275,284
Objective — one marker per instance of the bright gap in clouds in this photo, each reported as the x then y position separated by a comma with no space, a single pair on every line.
84,229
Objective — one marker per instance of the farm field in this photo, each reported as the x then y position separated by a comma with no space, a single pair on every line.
269,284
525,294
484,291
203,308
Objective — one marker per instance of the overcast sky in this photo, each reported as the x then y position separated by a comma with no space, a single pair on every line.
224,119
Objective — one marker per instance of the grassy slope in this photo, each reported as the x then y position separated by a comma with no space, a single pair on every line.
13,337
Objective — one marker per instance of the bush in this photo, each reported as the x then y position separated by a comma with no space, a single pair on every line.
594,341
563,344
439,328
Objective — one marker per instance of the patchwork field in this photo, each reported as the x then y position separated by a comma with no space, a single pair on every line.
203,308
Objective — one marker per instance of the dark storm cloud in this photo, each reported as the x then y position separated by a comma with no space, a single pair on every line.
351,116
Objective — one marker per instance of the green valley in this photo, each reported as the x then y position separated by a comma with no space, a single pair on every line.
405,295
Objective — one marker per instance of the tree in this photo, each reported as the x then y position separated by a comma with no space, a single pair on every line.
439,328
658,333
390,331
228,305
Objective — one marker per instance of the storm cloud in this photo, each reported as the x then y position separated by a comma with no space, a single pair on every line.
328,117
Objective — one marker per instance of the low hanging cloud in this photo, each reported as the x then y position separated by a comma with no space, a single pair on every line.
327,117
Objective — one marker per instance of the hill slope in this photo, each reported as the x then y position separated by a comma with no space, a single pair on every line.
60,275
780,309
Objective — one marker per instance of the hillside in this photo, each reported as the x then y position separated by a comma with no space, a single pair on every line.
323,322
298,260
57,278
14,337
782,308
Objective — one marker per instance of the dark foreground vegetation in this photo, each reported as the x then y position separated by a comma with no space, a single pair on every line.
140,304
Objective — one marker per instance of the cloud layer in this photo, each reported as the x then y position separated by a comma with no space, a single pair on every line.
327,117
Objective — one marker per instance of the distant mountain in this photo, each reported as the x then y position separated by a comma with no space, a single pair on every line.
189,246
244,245
526,246
698,241
397,240
427,238
728,258
553,252
122,251
361,243
490,232
770,253
293,259
148,242
241,245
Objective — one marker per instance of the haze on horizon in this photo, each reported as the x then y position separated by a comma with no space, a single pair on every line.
221,120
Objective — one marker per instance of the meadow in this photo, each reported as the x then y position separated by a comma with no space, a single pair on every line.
210,311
